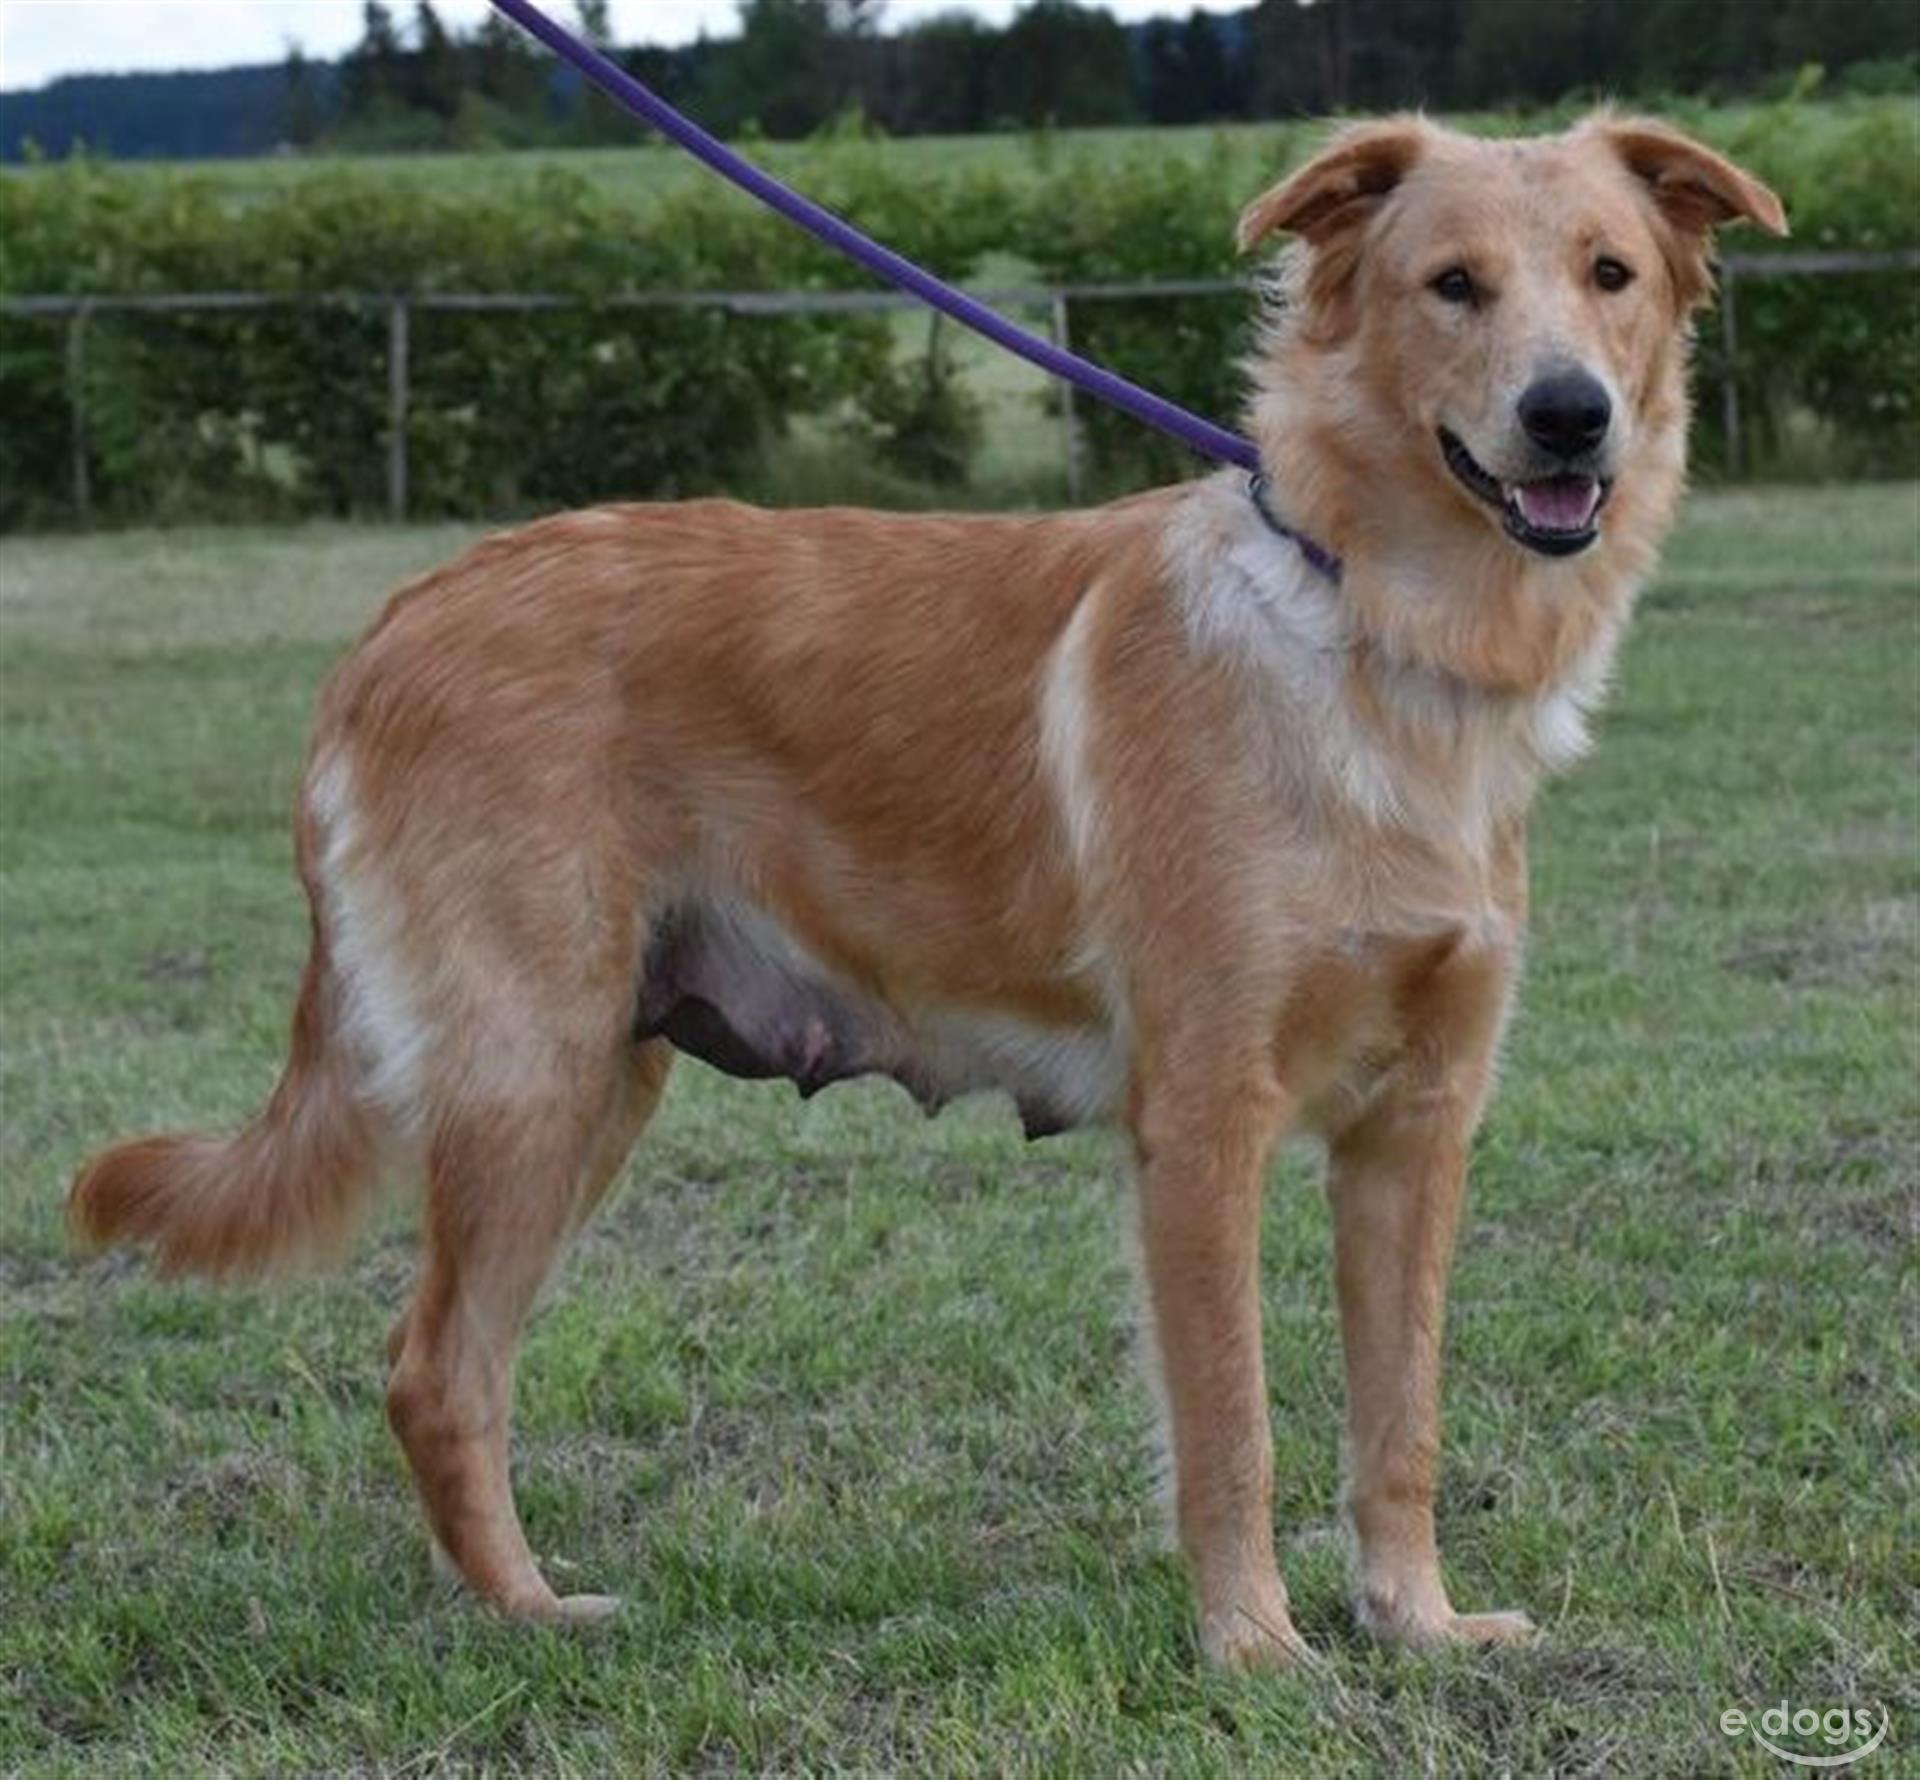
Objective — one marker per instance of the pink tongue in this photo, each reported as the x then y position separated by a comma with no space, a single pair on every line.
1561,504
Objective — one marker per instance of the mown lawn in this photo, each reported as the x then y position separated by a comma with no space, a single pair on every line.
844,1403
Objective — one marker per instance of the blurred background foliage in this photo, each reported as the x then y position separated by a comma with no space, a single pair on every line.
283,411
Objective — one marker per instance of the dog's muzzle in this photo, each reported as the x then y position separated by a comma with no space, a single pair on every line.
1552,515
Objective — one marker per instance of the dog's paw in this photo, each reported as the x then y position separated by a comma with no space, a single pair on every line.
537,1604
1489,1628
1253,1644
1441,1630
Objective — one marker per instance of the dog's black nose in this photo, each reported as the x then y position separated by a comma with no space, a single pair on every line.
1566,412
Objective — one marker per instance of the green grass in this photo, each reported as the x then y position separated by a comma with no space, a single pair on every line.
844,1402
649,166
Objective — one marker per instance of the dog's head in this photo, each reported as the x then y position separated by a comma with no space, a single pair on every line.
1506,322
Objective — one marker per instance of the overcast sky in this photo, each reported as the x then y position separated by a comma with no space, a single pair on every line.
43,38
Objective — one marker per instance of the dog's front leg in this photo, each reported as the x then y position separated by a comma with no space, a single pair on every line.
1203,1138
1397,1178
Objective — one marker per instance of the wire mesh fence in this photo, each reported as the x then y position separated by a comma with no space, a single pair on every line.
75,312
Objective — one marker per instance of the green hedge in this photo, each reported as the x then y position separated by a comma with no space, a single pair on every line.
283,411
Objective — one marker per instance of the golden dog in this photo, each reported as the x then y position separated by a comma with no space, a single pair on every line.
1132,813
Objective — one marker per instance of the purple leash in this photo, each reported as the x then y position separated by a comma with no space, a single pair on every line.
1169,417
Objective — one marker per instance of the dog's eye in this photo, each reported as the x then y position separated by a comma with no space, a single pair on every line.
1612,274
1454,285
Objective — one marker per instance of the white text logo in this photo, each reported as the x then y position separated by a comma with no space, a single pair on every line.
1836,1727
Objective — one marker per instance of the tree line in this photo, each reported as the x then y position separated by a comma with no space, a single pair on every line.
795,65
413,81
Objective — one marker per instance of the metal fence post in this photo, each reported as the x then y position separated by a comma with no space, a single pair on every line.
397,393
1729,373
1069,421
77,406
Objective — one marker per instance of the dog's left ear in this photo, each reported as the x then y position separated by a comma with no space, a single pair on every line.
1695,188
1339,187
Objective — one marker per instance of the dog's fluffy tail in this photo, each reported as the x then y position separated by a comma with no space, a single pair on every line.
288,1187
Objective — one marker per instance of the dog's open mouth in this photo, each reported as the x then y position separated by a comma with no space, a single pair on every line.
1554,515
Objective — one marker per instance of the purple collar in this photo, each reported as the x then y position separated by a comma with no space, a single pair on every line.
1317,555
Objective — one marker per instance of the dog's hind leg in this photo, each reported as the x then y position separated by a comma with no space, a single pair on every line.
637,1098
506,1187
646,1081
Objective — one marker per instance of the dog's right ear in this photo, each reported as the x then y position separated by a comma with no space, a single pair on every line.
1340,186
